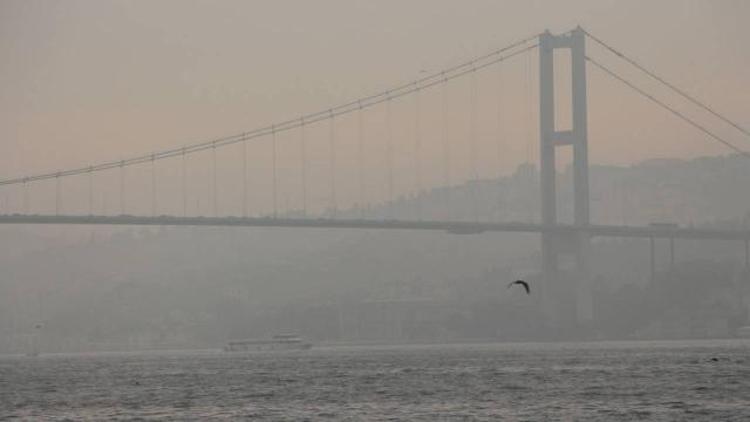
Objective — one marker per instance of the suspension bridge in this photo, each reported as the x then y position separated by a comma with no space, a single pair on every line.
299,173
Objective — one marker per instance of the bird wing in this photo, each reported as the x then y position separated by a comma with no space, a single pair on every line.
525,286
522,283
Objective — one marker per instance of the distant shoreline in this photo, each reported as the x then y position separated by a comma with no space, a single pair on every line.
332,346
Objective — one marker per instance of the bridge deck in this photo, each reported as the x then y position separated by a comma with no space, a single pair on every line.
456,227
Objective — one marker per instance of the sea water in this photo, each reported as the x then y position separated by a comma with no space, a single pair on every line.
698,380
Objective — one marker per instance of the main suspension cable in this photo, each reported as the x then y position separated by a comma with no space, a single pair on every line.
667,107
671,86
431,80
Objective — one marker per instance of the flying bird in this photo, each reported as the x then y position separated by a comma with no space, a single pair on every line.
522,283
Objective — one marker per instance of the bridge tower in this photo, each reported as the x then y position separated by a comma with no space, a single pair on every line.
566,292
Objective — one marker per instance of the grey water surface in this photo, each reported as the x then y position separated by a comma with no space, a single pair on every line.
700,380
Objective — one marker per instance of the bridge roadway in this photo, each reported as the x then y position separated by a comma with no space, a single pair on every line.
455,227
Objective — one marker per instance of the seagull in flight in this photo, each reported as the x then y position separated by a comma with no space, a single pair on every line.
522,283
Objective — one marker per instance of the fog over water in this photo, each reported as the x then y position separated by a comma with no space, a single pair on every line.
612,182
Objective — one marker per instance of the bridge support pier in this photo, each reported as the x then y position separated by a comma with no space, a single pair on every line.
652,274
671,255
566,293
747,260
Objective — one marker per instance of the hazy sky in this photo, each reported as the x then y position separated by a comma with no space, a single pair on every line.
84,81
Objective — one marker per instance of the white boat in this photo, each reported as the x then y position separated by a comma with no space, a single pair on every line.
277,342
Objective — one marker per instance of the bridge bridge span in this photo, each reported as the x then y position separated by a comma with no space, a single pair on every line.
453,227
565,289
